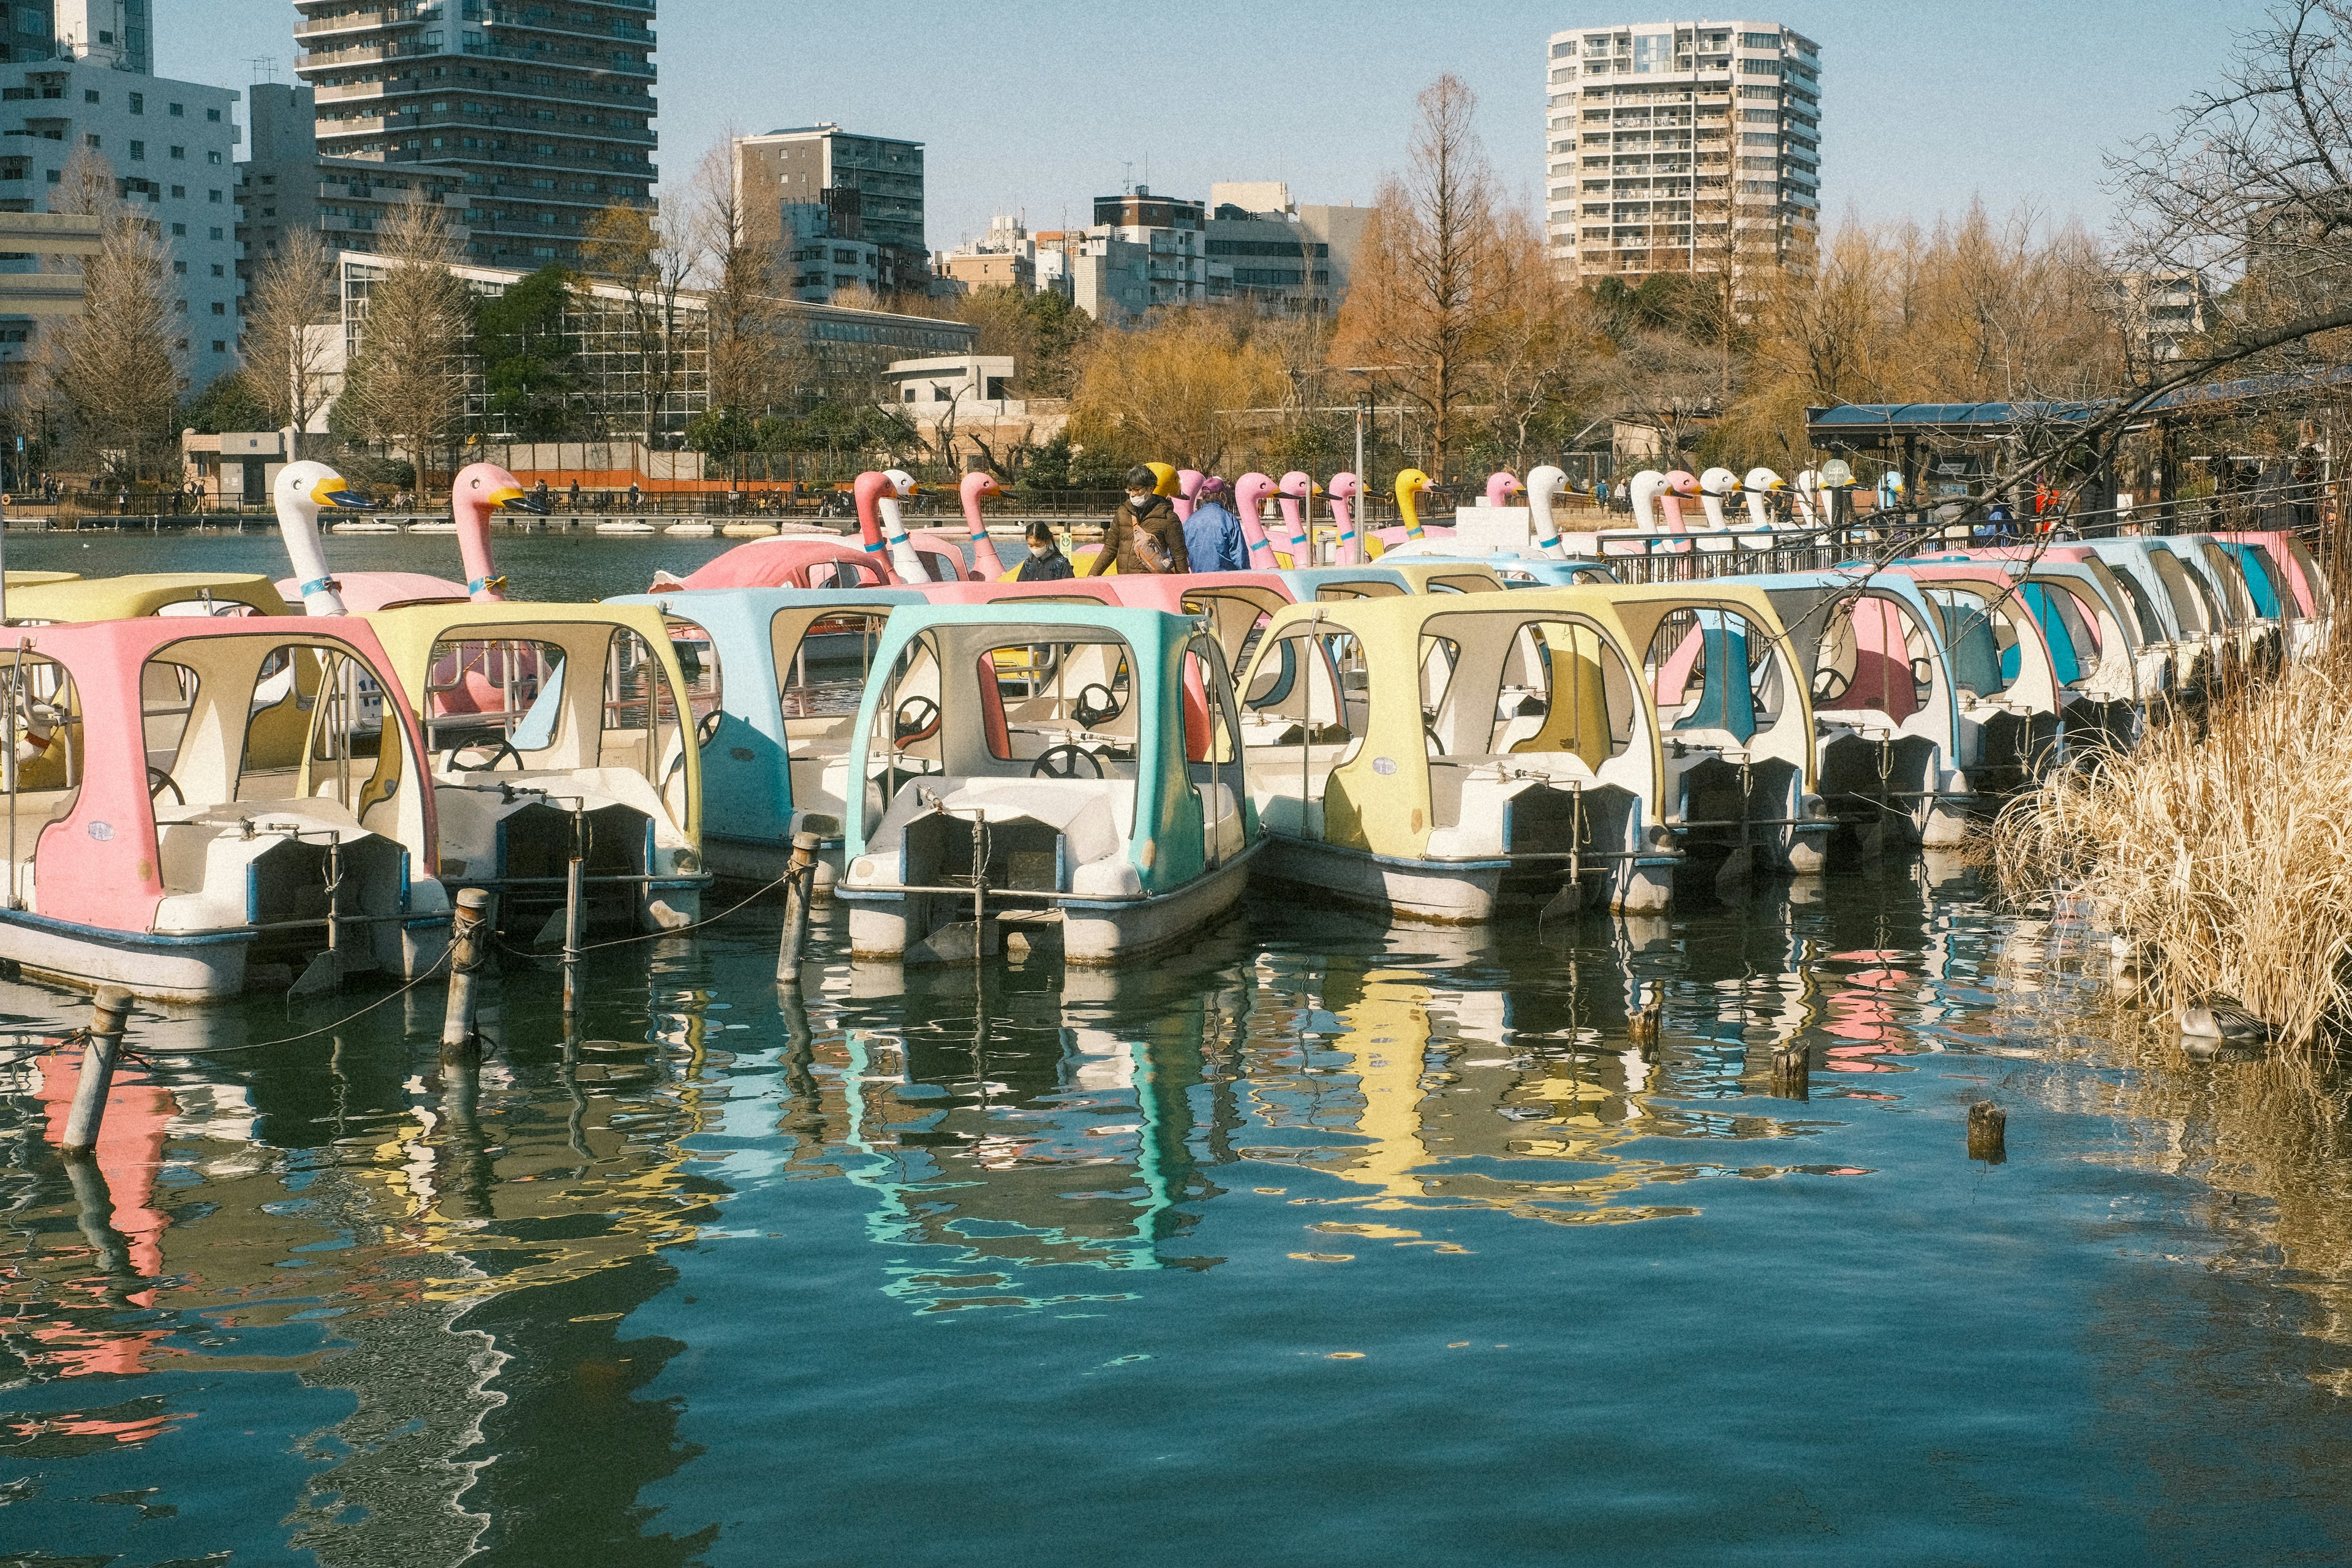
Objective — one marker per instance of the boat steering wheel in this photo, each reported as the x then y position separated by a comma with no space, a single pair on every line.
505,749
916,718
1062,762
1830,684
704,731
158,780
1089,712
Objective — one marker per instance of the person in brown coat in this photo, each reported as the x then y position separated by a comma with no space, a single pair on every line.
1144,535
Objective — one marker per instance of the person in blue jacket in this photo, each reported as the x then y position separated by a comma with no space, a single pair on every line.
1212,534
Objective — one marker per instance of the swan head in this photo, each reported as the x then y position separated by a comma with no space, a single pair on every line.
1719,483
1763,479
1501,487
1250,490
1300,486
1547,480
1188,482
1411,483
1165,480
490,487
902,483
1681,482
1345,487
1646,485
976,486
307,487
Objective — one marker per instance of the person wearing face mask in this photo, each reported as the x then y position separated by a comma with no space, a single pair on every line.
1046,564
1144,535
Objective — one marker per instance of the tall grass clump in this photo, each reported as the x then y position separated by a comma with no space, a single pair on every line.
2226,853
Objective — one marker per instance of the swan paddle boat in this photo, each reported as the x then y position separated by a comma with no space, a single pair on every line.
2004,672
2095,641
775,675
1076,765
2183,606
1891,754
2297,574
1442,757
2279,606
1736,720
197,804
534,713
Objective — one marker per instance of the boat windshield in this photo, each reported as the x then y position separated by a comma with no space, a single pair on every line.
499,699
1982,639
2151,627
1875,657
1526,686
2073,636
1714,668
1064,706
40,753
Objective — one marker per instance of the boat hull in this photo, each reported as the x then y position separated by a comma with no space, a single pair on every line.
210,966
1449,892
764,861
1094,933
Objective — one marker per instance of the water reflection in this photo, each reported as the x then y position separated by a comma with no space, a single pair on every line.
423,1317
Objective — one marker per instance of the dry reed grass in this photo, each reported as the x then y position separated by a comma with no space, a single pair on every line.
2228,852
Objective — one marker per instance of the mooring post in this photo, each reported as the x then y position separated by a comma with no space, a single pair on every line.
468,944
799,880
109,1011
1792,1069
1988,1132
574,874
94,1212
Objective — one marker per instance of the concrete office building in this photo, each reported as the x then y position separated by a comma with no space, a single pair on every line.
75,81
838,210
541,116
1683,146
1262,246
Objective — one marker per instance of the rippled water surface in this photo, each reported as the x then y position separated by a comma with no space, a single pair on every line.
1322,1243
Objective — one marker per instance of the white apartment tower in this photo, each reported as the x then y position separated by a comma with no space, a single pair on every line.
1683,146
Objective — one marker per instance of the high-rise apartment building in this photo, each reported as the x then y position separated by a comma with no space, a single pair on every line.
1683,147
75,82
540,112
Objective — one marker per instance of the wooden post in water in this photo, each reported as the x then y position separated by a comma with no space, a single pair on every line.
109,1010
1988,1130
800,886
574,874
1792,1071
468,945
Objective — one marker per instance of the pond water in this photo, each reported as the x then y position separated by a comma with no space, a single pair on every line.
1323,1242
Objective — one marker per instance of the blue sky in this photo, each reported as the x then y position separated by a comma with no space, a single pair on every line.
1041,105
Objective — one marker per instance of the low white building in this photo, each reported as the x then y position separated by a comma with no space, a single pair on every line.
965,384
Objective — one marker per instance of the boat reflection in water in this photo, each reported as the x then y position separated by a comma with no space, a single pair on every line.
432,1271
1022,1123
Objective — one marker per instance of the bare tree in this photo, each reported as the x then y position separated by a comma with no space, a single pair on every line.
286,347
405,386
114,367
749,362
1420,297
640,255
